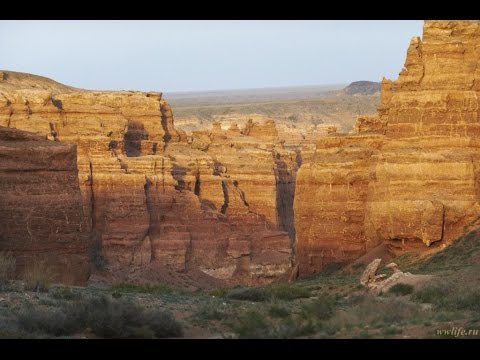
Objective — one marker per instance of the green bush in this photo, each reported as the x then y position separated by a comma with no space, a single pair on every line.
432,293
321,308
288,292
220,292
163,324
290,328
105,317
64,293
252,325
278,311
249,294
401,289
209,312
47,320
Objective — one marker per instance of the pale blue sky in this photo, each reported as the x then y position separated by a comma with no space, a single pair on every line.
206,55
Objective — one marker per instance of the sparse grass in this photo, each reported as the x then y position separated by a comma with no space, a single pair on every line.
451,295
371,312
320,309
277,311
288,292
219,292
252,325
455,257
322,305
292,328
105,317
209,312
401,289
358,267
64,293
143,289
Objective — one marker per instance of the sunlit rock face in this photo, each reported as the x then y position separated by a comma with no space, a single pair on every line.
408,177
219,201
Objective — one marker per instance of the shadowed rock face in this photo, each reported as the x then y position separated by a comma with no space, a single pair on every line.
408,177
156,199
41,216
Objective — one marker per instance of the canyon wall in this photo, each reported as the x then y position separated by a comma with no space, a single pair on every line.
409,176
41,216
240,203
153,197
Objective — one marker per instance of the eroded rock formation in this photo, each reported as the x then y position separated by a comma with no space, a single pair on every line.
219,201
409,176
41,216
238,202
381,283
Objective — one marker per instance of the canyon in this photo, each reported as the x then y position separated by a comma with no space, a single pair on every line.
244,201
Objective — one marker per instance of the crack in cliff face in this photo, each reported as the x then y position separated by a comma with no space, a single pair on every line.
149,205
285,179
10,118
164,122
163,175
92,197
241,193
197,187
226,199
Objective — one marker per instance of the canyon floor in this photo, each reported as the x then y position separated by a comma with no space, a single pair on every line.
331,304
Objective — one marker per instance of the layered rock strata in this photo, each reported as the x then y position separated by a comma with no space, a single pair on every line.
151,195
409,176
41,215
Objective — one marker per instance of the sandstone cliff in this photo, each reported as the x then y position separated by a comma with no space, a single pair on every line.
41,216
215,201
409,176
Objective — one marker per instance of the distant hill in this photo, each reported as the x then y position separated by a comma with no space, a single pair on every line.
13,80
361,88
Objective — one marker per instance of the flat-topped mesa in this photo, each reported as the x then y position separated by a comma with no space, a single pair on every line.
407,177
41,217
